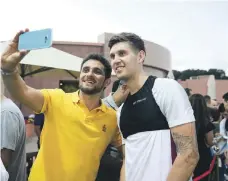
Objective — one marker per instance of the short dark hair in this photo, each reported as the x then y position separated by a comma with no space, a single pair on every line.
207,98
188,91
115,85
134,40
102,60
225,96
200,110
221,108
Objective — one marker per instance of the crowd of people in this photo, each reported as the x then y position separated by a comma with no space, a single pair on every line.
211,118
161,133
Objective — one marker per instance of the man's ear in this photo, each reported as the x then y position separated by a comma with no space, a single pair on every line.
141,57
107,82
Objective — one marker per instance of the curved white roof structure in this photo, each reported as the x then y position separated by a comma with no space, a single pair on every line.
53,58
50,57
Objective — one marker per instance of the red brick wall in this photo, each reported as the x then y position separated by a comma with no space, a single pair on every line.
200,86
80,50
221,88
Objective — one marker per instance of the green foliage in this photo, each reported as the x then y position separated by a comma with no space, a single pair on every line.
186,74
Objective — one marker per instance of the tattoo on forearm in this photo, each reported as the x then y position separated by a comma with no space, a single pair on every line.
184,143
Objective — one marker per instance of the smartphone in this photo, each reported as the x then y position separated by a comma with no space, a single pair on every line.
33,40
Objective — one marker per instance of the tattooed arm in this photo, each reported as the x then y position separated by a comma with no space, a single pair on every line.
175,106
187,158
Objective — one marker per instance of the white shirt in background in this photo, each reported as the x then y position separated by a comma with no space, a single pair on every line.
3,173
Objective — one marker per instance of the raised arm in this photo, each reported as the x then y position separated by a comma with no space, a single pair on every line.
16,86
117,98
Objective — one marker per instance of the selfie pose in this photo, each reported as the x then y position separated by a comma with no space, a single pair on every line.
78,124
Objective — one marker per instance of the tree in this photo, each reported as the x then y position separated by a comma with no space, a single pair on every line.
186,74
218,73
176,74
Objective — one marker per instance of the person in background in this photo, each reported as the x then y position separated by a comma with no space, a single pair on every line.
207,98
13,135
204,131
212,108
4,175
38,126
224,111
188,91
224,107
221,109
224,132
26,119
225,99
224,123
116,85
214,103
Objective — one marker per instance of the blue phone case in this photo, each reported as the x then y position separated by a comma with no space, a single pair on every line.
35,40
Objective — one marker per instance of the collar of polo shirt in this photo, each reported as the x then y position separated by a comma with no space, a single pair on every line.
76,99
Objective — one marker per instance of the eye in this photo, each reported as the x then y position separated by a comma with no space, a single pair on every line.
122,53
112,56
98,71
85,69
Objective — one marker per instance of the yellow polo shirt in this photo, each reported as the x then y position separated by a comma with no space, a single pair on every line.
73,138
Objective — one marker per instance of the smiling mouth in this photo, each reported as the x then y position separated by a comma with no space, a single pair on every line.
119,68
90,81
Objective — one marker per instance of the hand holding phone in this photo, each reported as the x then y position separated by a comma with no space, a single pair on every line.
12,56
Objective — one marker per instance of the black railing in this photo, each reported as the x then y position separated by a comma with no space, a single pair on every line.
30,157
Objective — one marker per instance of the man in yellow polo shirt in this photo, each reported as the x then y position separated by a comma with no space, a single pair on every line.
78,126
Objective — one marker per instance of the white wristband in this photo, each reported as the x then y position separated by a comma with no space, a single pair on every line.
6,73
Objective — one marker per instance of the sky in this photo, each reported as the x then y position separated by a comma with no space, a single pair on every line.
195,32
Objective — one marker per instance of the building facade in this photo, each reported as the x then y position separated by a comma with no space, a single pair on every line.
206,85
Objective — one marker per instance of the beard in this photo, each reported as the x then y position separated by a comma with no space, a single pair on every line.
123,78
90,91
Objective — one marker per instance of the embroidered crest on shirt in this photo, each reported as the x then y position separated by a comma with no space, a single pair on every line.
104,128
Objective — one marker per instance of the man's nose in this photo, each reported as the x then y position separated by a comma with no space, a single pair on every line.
89,73
116,60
